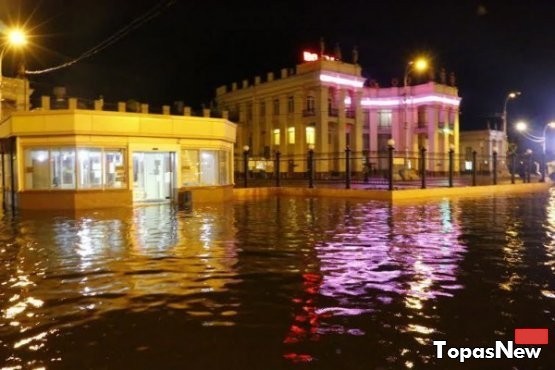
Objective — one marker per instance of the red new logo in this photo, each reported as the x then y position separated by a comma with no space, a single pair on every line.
531,336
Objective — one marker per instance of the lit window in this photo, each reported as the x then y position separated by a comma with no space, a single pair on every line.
37,169
89,168
276,136
190,167
114,168
208,167
291,135
310,135
62,168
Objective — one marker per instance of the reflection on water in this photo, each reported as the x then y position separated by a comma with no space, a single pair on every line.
277,283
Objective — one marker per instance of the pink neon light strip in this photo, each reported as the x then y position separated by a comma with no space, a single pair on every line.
417,100
341,80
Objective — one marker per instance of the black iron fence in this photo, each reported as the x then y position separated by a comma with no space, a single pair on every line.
388,169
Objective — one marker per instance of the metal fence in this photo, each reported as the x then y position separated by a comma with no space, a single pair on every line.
389,169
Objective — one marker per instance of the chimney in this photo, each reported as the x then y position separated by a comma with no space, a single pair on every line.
144,108
245,84
187,111
206,112
257,80
270,77
166,110
121,106
234,86
284,73
98,104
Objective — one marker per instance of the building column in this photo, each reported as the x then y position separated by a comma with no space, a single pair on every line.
356,135
300,132
322,118
341,126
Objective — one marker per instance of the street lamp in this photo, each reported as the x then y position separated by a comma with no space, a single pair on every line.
14,37
510,95
522,127
418,65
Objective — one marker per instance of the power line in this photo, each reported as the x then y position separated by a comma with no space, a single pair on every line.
133,25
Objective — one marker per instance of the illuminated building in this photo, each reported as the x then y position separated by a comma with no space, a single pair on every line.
15,95
484,143
327,103
74,158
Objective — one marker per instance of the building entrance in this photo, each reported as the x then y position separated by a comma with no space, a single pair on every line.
153,176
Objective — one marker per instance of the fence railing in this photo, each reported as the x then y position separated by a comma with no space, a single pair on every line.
387,169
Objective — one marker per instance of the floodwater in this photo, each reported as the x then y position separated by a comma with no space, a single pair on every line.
280,283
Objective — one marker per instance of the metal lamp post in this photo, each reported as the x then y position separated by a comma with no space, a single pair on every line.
14,37
390,148
511,95
522,127
246,164
419,65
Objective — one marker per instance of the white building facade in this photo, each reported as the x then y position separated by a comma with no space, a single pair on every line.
325,103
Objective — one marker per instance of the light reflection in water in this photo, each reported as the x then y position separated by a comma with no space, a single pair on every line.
280,280
374,256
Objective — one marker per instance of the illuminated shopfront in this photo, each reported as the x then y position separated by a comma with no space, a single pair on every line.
78,159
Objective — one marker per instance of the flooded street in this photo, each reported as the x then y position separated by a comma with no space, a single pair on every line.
279,283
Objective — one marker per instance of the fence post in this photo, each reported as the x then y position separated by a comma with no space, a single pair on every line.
513,160
423,167
277,169
390,148
246,164
366,166
451,164
347,168
474,168
528,165
495,167
310,166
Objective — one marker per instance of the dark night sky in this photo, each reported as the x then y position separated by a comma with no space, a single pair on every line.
195,46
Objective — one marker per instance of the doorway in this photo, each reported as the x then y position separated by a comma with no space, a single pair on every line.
153,176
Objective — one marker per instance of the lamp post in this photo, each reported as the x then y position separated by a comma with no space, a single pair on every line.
418,65
390,148
511,95
527,165
522,127
246,164
14,37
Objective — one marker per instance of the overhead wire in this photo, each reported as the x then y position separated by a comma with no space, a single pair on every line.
118,35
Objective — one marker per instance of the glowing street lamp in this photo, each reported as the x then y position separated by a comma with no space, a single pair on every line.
522,127
418,65
12,38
